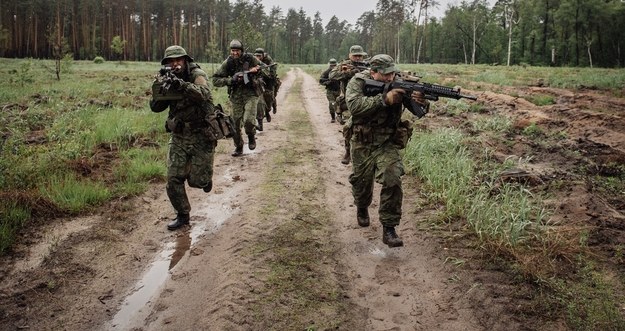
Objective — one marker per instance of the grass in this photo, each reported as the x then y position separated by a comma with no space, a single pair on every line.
299,288
509,221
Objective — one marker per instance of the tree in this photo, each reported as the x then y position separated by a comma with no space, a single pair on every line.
117,46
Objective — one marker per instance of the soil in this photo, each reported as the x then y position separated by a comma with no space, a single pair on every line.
119,268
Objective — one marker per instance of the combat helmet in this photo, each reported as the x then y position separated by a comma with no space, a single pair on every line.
236,44
173,52
332,62
259,51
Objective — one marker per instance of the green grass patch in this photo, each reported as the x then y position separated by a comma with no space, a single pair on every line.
73,194
298,287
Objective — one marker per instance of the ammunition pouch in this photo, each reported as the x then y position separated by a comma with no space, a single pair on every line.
175,125
362,133
402,134
219,125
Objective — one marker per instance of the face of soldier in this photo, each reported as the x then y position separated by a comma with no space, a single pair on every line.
235,53
356,58
177,64
387,78
259,57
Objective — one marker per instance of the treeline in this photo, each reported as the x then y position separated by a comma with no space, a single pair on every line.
533,32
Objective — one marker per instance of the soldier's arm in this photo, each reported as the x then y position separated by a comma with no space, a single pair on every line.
359,104
221,77
198,90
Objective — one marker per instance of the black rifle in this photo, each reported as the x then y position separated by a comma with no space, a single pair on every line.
430,92
245,73
161,88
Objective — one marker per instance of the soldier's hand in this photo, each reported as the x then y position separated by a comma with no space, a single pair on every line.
394,96
175,83
236,78
344,67
419,98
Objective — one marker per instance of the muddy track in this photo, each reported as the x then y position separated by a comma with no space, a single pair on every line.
119,269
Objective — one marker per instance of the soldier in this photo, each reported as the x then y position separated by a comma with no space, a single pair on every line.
239,73
378,134
342,73
191,151
269,76
333,89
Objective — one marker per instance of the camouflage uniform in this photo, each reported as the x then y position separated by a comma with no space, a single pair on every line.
333,88
342,74
244,97
269,76
191,152
375,155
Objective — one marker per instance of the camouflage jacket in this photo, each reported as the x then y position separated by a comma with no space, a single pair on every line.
331,85
370,111
343,77
231,66
197,101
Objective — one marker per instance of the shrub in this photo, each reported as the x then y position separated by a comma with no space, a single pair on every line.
98,60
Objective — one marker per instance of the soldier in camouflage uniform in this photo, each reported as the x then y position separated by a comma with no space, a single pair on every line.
342,73
333,89
239,73
269,75
378,134
191,151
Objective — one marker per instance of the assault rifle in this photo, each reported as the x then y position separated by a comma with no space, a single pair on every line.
430,91
161,88
245,73
360,66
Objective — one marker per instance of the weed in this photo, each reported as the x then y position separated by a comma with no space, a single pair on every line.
532,130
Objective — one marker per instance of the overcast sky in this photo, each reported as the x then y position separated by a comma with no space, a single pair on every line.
349,10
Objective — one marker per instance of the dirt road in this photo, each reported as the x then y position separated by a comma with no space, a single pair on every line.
121,269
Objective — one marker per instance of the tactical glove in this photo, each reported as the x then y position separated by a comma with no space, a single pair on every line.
175,83
236,78
394,96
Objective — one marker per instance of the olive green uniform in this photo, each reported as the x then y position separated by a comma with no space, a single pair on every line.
374,154
191,152
333,89
244,97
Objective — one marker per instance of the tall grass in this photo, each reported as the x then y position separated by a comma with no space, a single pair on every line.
506,216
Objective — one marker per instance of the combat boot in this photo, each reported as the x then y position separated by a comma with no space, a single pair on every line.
180,221
208,186
333,118
259,127
267,116
346,157
251,142
389,237
238,151
362,215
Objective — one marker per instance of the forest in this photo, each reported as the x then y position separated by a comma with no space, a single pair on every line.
581,33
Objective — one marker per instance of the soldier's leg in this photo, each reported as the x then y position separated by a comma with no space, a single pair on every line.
331,105
362,176
268,98
261,109
201,168
389,170
238,110
249,121
177,173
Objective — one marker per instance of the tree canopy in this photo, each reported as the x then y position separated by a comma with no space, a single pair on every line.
535,32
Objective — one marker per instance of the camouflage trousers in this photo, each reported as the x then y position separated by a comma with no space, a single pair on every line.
244,110
190,158
264,104
331,96
382,163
